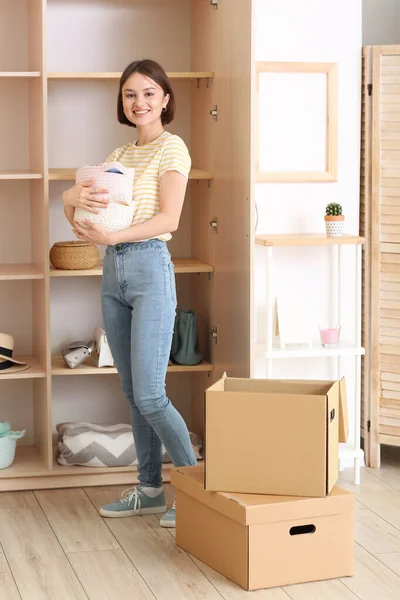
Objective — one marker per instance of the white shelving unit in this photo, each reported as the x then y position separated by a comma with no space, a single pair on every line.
344,348
271,350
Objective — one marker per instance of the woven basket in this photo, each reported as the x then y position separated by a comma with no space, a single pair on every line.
119,212
74,255
7,452
113,218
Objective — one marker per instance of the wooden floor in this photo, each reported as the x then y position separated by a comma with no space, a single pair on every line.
55,546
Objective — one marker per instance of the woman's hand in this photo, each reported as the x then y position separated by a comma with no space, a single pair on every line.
93,233
83,195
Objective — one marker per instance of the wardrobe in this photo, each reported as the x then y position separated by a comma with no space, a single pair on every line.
380,223
60,62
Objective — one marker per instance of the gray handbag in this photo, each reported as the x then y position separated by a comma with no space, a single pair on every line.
185,341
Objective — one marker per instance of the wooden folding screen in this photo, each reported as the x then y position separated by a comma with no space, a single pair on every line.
380,223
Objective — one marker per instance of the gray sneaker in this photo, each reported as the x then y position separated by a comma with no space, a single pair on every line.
134,502
169,519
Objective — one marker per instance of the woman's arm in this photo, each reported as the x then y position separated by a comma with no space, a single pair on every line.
172,194
83,195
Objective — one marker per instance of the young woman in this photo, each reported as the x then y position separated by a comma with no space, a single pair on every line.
138,285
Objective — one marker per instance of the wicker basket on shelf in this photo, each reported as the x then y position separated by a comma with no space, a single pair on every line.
74,255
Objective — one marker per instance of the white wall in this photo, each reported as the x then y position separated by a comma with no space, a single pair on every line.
381,22
311,31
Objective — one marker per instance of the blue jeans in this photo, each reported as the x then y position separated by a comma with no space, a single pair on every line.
139,303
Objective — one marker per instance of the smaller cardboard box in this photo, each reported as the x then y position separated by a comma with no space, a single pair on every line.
266,436
264,541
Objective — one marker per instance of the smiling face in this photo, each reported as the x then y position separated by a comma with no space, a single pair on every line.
143,100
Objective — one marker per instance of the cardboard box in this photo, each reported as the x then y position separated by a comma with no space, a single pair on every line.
264,541
266,436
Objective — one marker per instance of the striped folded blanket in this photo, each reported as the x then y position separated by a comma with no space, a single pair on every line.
90,445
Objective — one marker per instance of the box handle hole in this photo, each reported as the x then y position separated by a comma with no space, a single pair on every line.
302,529
333,413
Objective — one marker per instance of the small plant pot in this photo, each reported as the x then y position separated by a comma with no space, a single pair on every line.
334,225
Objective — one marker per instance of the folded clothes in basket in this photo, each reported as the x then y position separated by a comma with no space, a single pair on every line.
118,180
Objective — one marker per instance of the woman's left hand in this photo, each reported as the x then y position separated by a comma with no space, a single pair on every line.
92,233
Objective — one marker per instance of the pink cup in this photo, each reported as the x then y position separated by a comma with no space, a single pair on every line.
330,335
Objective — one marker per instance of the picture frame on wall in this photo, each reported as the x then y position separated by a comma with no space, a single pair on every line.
297,113
292,322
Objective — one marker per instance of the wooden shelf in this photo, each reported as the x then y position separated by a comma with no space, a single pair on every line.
344,348
58,367
115,75
20,175
203,367
11,272
29,471
198,174
62,174
182,265
191,265
80,470
34,372
96,272
27,463
34,466
19,74
69,174
307,239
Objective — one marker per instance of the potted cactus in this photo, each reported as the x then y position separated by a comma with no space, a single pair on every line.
334,220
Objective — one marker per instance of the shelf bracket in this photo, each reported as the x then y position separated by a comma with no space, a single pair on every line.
198,82
214,334
208,180
214,112
214,3
214,224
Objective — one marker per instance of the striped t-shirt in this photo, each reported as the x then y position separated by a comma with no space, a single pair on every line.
150,161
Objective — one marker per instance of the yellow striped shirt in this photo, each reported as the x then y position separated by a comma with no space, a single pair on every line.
150,161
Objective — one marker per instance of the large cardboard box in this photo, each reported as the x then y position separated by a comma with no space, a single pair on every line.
266,436
264,541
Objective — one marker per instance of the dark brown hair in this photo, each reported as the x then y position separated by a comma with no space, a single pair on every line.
154,71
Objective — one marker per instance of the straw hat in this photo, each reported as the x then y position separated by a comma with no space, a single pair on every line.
8,364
